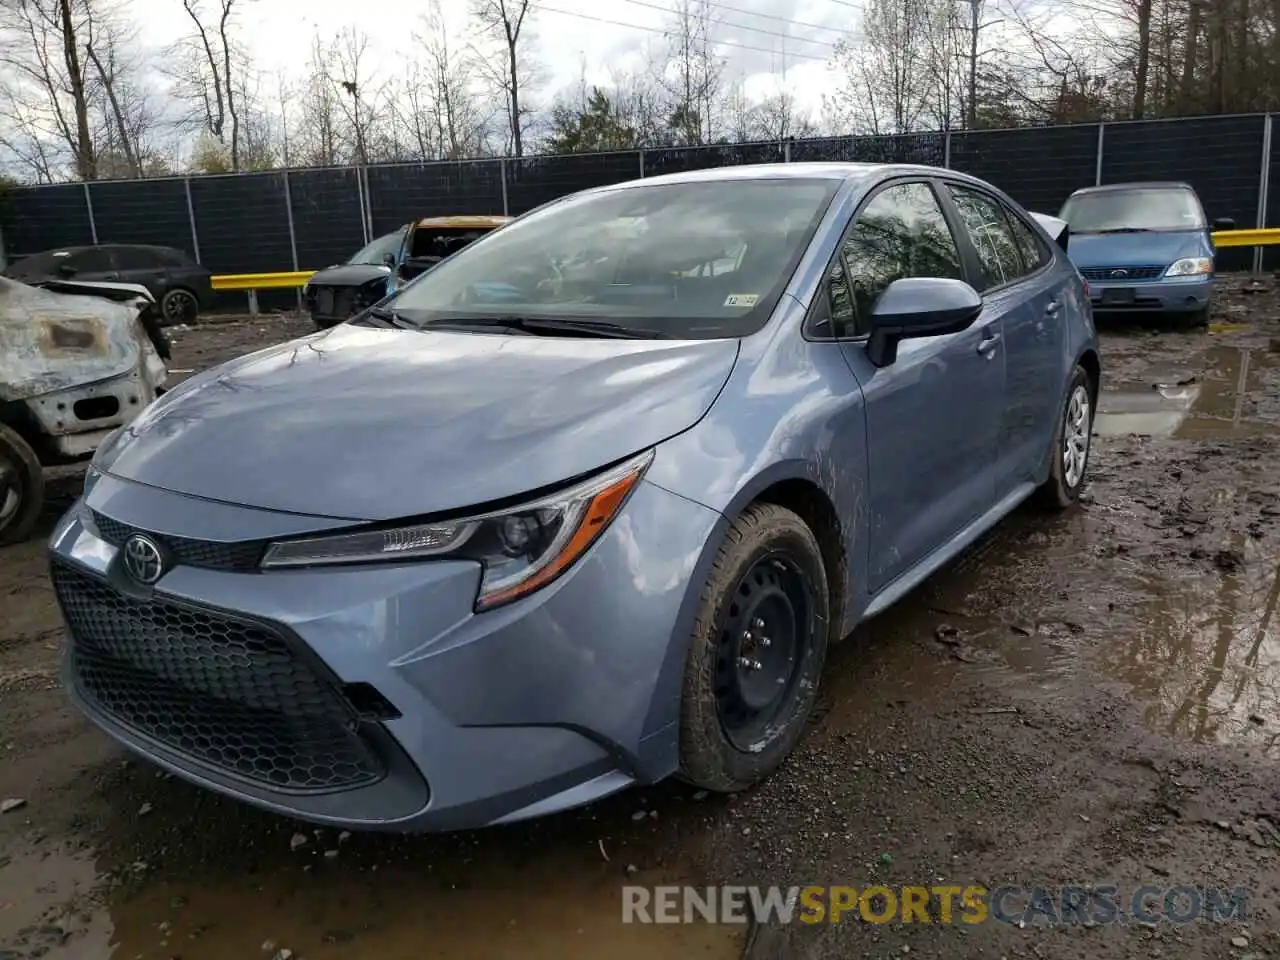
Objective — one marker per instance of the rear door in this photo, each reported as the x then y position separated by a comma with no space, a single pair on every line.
87,263
1025,295
141,266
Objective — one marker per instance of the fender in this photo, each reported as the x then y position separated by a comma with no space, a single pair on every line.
660,744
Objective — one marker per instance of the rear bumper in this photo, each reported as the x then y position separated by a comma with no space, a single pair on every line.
1171,295
331,304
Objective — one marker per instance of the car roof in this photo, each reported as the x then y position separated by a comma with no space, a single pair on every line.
1135,185
478,222
110,246
805,170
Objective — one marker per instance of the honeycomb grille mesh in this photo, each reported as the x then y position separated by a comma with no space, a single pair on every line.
229,694
188,552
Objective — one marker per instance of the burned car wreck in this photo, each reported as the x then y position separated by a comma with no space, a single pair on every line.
77,361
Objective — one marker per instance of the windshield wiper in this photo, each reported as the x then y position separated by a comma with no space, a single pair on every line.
536,325
388,318
1125,230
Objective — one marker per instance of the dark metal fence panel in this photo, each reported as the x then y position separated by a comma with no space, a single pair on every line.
925,148
125,214
680,159
42,218
532,181
1221,157
1038,167
326,215
242,222
406,192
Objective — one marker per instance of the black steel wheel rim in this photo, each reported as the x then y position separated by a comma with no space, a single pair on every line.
765,639
177,306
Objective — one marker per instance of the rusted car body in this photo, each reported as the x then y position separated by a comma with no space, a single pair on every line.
77,361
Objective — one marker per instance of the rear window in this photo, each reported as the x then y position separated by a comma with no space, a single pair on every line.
1140,209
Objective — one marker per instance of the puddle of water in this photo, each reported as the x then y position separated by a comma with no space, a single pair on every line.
1211,403
387,897
1204,652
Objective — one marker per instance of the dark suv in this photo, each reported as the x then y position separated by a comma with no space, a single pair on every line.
181,286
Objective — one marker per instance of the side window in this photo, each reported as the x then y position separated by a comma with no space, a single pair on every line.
89,260
900,233
992,236
135,258
1034,253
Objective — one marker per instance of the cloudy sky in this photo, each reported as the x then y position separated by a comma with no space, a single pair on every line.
759,37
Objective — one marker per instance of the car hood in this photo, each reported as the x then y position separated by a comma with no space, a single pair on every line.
1135,249
364,423
349,274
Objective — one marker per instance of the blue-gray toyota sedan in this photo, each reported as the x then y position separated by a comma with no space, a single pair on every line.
582,507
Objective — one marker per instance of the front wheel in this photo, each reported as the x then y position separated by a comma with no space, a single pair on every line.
1071,445
21,487
759,642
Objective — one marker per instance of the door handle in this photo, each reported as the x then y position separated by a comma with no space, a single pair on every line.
987,345
1053,307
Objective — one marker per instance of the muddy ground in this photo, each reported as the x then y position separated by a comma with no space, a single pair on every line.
1082,699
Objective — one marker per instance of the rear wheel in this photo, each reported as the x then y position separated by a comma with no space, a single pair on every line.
759,642
1071,445
21,487
179,306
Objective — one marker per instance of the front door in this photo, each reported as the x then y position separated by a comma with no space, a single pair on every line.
933,415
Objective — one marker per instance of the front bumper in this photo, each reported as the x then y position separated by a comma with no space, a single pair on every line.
1170,295
553,701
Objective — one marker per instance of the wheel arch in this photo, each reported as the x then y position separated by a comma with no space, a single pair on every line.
791,484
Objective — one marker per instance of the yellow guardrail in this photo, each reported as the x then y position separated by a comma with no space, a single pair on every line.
262,281
1265,237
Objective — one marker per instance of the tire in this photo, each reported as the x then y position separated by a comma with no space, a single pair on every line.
768,577
1063,487
179,306
1195,320
21,487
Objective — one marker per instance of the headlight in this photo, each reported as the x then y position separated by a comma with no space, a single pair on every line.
1190,267
522,548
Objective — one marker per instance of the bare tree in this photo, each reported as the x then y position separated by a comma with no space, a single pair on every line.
505,22
320,112
209,69
359,95
45,82
693,72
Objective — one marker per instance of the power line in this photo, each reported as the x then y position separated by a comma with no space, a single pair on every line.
752,13
739,26
663,33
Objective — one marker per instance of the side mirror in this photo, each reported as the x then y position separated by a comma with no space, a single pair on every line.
1224,223
919,307
389,259
66,269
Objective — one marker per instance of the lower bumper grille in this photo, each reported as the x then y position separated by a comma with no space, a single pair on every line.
227,693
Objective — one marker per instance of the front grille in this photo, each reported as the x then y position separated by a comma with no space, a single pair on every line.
228,693
186,551
340,302
1131,273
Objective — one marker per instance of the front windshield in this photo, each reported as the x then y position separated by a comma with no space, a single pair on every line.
690,260
376,252
1144,208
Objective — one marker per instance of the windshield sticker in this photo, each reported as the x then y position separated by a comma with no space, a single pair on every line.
741,300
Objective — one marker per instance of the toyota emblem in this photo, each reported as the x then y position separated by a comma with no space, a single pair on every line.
143,559
1119,274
